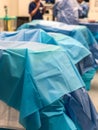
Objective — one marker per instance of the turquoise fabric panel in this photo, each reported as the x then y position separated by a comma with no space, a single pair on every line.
75,50
11,76
39,80
96,36
80,33
87,77
54,117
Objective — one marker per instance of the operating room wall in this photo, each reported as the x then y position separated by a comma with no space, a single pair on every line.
15,7
2,4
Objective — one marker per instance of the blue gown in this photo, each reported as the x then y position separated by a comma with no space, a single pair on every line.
66,11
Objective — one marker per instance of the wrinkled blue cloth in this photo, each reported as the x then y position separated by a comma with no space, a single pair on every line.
34,76
54,117
81,110
69,44
93,28
80,33
87,78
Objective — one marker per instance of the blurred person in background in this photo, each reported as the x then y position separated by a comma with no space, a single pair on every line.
36,9
83,9
66,11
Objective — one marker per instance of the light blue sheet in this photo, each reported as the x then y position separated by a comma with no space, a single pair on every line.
32,76
74,49
36,76
71,30
80,33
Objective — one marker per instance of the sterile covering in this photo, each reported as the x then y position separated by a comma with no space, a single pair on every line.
80,33
81,56
69,44
39,81
34,80
34,76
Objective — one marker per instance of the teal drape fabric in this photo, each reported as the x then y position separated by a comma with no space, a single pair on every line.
34,78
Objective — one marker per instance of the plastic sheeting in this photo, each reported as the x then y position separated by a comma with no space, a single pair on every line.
34,77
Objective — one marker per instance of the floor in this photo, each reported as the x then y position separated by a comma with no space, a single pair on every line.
94,91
